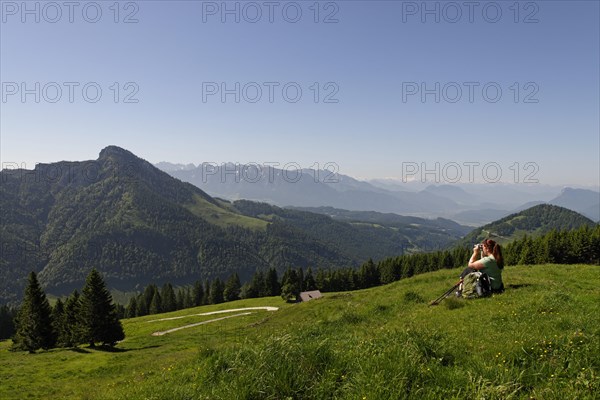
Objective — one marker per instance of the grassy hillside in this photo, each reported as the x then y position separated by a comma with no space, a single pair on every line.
222,216
540,339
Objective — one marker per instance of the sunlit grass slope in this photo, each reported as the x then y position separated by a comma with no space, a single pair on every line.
540,339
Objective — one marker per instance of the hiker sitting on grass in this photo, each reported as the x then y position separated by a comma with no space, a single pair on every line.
487,257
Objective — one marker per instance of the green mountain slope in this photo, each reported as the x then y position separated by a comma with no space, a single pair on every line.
533,221
422,234
137,225
540,339
117,213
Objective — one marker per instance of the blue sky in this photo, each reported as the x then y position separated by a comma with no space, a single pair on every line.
369,61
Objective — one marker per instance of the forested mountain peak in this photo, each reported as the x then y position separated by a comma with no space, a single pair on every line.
137,224
534,221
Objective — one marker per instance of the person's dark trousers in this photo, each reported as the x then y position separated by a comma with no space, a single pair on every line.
499,290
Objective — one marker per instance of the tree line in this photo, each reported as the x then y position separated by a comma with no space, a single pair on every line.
580,245
88,318
564,247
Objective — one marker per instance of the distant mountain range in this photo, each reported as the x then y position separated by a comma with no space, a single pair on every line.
585,202
304,188
470,204
137,225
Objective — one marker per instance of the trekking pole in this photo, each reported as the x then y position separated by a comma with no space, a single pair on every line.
446,294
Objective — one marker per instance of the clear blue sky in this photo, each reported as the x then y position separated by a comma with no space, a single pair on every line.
371,55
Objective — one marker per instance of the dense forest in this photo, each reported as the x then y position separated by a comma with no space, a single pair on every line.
563,247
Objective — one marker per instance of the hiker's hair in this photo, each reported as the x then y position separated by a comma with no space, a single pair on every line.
496,251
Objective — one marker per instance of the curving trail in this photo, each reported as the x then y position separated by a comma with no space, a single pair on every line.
161,333
217,312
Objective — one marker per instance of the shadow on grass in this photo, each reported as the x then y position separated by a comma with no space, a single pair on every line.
79,350
109,349
522,285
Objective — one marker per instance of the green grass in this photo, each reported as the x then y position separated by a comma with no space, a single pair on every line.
223,217
540,339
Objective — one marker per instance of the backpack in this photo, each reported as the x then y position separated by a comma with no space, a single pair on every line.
475,284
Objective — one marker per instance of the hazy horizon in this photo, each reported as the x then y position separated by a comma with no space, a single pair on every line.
412,180
371,86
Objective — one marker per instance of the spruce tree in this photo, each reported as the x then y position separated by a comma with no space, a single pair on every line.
72,333
272,283
156,304
98,313
369,275
206,295
169,300
34,320
291,286
131,309
141,308
258,287
180,296
198,293
216,292
309,280
233,287
148,295
58,321
188,300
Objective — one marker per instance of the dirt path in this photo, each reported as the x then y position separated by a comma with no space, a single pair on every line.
161,333
217,312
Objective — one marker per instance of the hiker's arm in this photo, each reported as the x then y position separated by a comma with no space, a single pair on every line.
474,260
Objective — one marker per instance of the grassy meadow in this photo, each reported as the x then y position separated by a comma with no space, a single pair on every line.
538,340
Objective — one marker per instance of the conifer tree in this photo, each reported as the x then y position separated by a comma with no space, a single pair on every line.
216,292
98,313
34,320
206,295
156,306
232,288
291,286
198,293
180,299
169,300
309,280
58,320
272,283
188,300
148,295
72,332
131,309
528,252
257,286
141,308
369,275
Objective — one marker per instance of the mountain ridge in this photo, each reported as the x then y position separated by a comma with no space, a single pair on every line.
138,225
474,204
